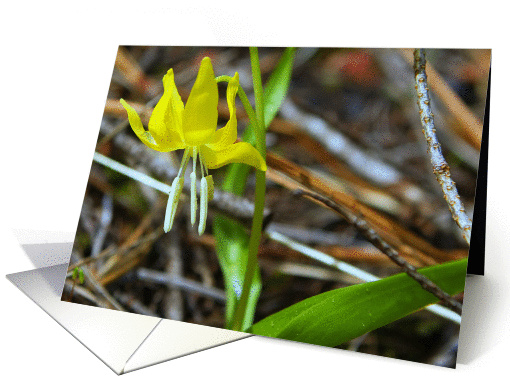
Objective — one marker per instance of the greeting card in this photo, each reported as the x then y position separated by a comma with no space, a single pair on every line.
319,195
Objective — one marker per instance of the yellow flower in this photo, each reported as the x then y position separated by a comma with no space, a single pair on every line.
173,126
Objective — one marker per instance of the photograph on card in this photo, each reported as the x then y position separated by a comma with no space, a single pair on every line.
319,195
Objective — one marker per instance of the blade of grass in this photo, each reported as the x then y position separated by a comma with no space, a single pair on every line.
337,316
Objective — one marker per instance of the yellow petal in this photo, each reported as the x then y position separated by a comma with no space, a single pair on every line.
241,152
227,135
165,123
137,126
200,115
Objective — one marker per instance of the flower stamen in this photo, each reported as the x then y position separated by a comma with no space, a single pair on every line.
193,193
202,165
173,201
203,205
184,162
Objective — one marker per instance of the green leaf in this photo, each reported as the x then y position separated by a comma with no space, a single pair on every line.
78,274
81,276
232,248
231,238
337,316
277,85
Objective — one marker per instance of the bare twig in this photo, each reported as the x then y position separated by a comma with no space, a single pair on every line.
99,289
369,167
180,282
112,250
396,70
136,306
363,228
85,294
439,164
293,177
173,301
118,264
348,269
104,224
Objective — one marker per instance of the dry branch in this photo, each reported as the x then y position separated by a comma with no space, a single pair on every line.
293,177
173,302
363,228
181,283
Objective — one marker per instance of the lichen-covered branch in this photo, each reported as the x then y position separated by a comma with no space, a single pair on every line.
439,165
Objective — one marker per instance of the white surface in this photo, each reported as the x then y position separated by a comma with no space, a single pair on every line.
173,339
48,254
57,61
29,236
112,336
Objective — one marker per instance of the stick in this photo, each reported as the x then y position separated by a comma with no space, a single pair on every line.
439,165
363,228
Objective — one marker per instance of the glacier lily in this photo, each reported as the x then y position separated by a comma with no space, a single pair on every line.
173,126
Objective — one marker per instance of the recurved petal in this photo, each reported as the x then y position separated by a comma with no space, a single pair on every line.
137,126
165,123
227,135
200,115
241,152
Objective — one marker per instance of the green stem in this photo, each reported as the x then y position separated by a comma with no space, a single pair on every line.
260,193
259,100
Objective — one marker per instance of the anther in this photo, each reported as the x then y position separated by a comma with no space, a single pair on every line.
204,196
173,201
193,201
193,193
